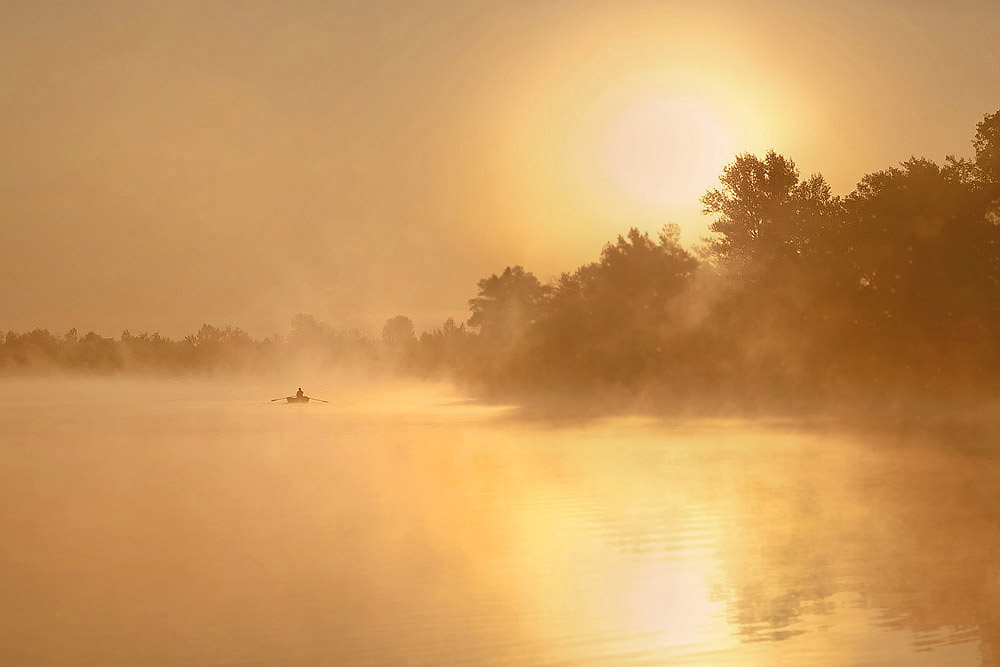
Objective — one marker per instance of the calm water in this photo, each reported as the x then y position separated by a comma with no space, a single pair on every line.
176,524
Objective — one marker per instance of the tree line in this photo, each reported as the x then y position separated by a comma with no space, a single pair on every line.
894,287
210,349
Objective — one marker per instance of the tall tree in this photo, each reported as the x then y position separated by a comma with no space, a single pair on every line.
506,304
398,331
753,199
987,145
765,212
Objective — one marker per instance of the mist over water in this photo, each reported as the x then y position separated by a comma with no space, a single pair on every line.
167,523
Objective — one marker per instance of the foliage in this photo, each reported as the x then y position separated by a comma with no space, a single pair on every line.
398,331
506,304
797,293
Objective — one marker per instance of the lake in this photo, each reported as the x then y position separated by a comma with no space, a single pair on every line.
180,523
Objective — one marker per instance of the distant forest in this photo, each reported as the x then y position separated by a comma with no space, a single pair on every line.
893,288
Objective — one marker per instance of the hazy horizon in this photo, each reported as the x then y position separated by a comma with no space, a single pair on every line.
171,164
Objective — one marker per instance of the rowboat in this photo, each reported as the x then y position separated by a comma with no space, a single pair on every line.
299,397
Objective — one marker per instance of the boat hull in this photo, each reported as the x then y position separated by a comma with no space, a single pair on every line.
297,399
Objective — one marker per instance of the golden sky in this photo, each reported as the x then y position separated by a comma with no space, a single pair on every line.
164,164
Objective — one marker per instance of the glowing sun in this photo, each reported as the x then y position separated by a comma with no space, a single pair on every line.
665,151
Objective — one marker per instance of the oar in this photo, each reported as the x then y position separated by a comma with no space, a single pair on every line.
279,399
317,399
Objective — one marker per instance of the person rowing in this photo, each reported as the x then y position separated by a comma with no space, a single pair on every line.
299,397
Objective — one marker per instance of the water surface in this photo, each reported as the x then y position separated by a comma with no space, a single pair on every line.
190,523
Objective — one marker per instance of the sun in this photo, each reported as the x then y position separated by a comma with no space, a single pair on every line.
664,151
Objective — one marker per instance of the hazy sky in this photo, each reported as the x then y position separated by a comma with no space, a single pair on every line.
164,164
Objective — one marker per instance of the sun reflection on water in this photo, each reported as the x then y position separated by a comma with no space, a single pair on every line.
444,534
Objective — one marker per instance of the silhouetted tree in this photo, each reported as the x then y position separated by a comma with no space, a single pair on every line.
614,319
506,304
398,331
987,145
753,202
446,350
308,331
764,212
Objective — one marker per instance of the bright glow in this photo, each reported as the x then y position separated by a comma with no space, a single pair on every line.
662,152
604,129
669,605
